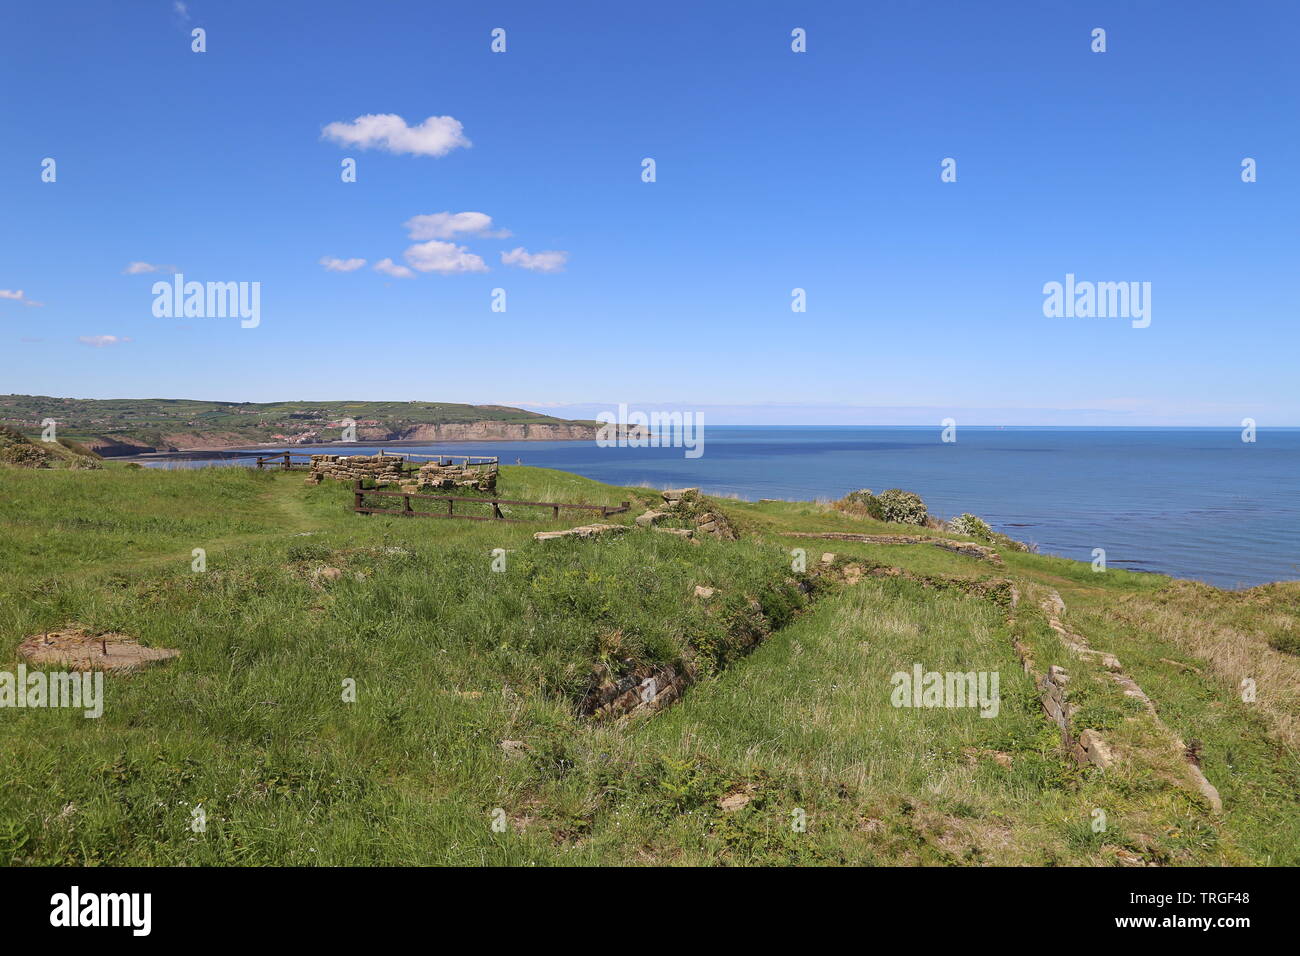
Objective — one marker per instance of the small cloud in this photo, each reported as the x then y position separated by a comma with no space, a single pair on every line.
552,260
17,295
436,136
448,225
443,257
389,268
341,265
141,268
181,9
102,341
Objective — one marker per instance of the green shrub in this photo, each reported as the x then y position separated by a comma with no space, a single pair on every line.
12,436
895,504
901,506
971,526
861,502
25,456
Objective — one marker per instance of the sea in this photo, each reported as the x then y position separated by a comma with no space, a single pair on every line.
1196,503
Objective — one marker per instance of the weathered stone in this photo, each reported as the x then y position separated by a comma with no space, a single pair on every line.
651,518
81,651
704,593
679,532
582,531
1098,754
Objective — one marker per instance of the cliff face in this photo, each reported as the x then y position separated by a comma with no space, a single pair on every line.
462,431
110,447
497,431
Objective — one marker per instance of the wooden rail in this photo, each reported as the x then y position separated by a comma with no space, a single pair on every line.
468,461
359,505
284,459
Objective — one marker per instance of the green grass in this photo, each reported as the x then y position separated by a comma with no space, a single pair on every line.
789,718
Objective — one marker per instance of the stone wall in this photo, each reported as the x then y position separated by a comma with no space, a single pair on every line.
390,471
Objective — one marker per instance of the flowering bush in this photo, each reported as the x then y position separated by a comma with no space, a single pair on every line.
971,526
901,506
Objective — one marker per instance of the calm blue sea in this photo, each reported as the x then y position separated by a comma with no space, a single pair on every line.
1195,503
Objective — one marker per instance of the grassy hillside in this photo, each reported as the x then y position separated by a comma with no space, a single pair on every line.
161,423
474,690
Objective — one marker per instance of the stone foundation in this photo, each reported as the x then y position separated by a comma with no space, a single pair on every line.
389,470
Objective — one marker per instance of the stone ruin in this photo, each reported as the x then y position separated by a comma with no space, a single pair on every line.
684,506
390,471
436,475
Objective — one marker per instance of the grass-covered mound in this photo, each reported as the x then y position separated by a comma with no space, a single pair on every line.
17,450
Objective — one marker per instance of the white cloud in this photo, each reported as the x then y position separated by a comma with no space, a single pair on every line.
436,136
140,268
552,260
102,341
17,295
389,268
334,264
181,9
448,225
444,257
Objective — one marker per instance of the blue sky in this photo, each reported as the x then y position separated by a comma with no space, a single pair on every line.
775,170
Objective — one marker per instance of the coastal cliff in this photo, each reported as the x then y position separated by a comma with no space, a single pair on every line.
120,427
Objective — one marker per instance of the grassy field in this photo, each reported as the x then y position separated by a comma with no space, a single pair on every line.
470,741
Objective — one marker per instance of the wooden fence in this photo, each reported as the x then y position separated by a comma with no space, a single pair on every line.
284,460
360,507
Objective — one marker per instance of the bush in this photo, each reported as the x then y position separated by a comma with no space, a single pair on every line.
971,526
901,506
25,456
861,502
894,504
